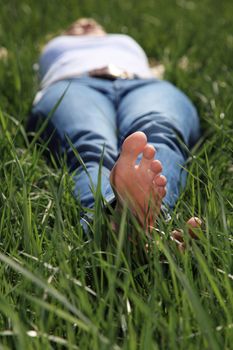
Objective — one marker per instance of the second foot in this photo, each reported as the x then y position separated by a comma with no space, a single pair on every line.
193,226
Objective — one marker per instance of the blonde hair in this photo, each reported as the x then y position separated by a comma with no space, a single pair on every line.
82,22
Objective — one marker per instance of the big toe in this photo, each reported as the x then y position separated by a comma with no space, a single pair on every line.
194,223
133,146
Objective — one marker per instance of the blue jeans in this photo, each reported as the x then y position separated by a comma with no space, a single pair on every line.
95,113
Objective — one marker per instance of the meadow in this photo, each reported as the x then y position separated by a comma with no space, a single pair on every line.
63,289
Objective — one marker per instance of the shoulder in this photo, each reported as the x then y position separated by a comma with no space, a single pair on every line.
56,42
125,40
121,37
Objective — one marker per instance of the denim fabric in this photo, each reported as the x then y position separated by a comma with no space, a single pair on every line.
96,114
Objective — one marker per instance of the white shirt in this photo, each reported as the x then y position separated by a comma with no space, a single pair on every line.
69,56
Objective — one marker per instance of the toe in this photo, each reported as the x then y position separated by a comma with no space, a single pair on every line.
161,191
133,146
148,153
147,158
194,223
160,180
177,235
156,166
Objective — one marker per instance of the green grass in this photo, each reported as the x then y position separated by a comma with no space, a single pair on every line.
63,289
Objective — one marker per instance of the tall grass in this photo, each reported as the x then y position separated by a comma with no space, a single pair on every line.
61,288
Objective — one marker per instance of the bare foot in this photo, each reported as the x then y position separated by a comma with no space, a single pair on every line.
193,225
141,187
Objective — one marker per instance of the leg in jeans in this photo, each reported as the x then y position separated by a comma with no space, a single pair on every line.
166,116
87,118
